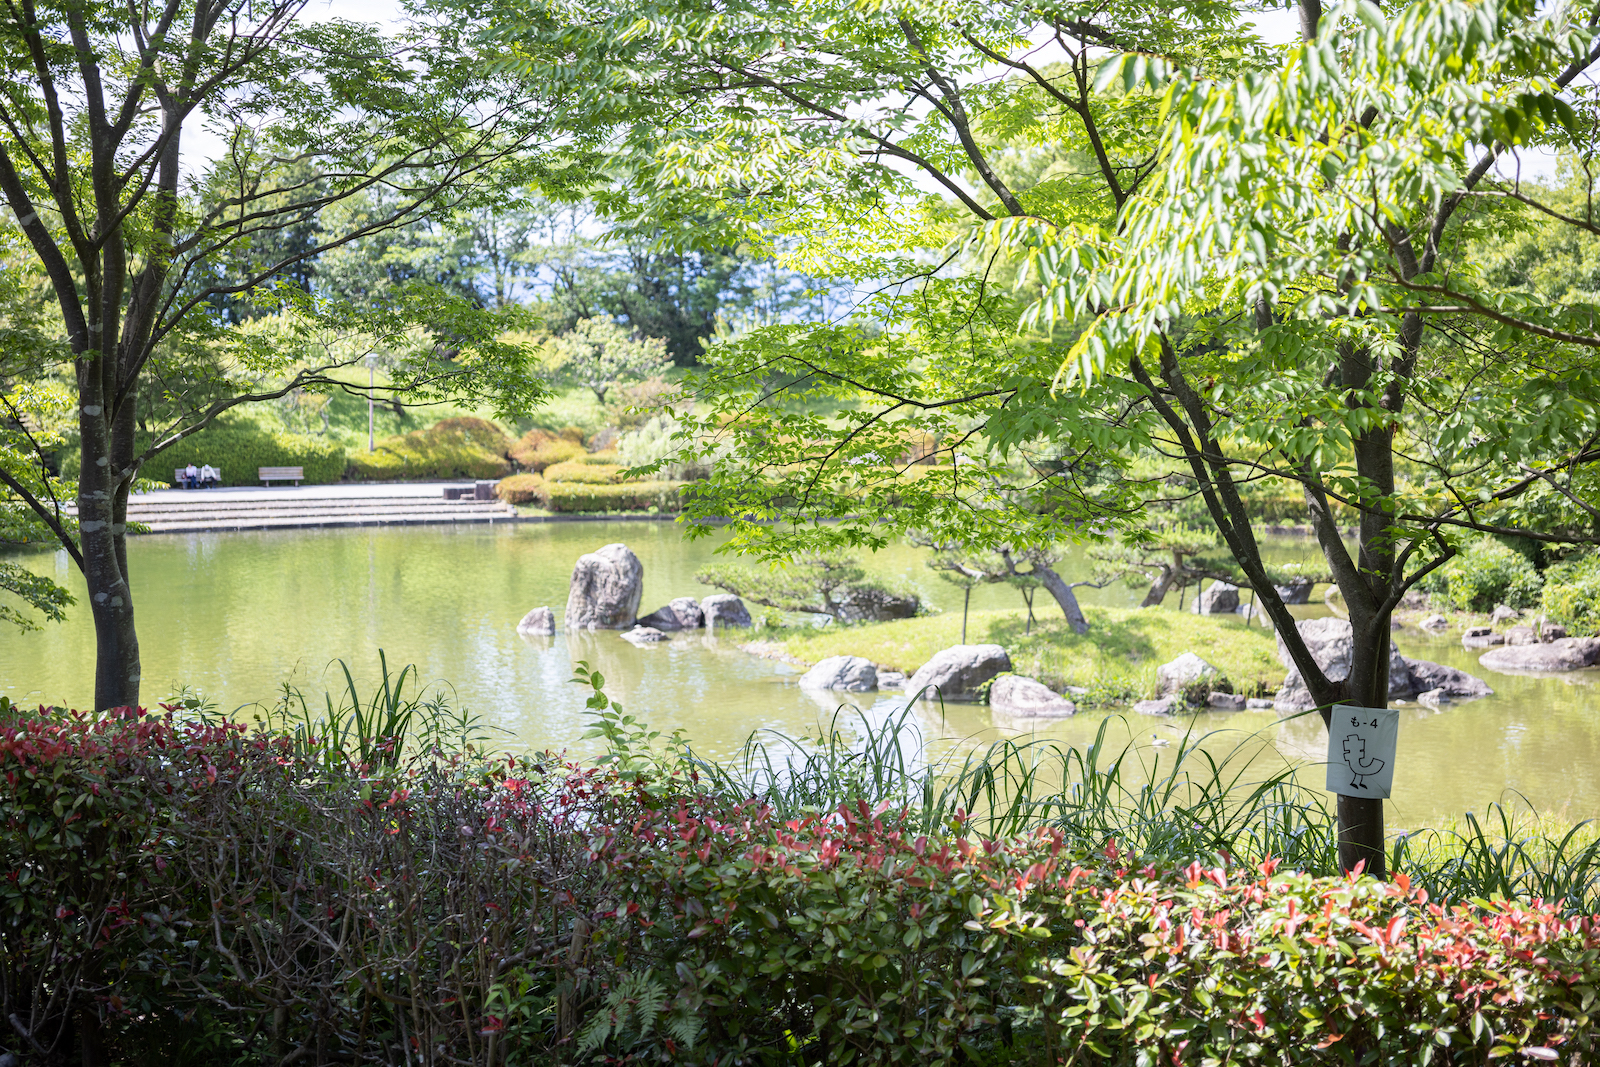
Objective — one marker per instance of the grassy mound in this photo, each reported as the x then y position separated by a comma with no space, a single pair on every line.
1118,657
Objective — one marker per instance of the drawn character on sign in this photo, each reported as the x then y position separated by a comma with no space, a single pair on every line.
1361,765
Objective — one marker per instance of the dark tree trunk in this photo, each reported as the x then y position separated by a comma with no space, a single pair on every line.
1064,596
1160,587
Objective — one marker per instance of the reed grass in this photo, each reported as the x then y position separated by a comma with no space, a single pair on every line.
1196,801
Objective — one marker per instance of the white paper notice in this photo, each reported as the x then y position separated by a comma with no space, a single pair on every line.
1361,748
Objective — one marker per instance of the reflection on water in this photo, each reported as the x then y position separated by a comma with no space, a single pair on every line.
237,614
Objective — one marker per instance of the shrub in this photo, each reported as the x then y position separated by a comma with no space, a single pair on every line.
519,488
630,496
178,891
578,471
240,448
453,448
529,443
1572,595
734,936
551,453
1485,574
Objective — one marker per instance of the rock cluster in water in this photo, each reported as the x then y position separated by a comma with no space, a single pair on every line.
607,586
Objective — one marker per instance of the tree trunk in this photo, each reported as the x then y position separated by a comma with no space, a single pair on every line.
102,533
1064,596
1159,587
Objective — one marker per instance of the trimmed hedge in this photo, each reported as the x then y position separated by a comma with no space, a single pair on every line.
453,448
180,892
577,471
531,442
240,448
519,488
629,496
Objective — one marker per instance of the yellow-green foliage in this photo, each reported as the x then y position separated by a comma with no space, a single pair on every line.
579,471
529,444
455,448
1122,649
520,488
631,496
552,453
609,456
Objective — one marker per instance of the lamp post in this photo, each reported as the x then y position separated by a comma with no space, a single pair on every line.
372,362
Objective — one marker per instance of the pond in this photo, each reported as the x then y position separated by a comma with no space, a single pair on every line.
237,615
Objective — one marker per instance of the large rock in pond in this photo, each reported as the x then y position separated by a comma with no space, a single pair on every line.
1566,654
1481,637
1219,598
644,635
870,604
682,614
724,609
958,672
606,586
853,674
1330,642
1027,698
1298,591
540,622
1184,672
1452,682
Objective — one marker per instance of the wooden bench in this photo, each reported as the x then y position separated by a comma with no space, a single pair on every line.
177,476
268,475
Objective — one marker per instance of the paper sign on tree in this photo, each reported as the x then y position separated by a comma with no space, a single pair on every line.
1361,750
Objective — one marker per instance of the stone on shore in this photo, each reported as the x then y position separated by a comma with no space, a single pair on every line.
643,635
1164,706
891,679
1226,701
853,674
1219,598
1565,654
1521,635
1503,613
1552,632
1481,637
871,604
682,614
1028,698
723,609
1182,673
606,586
958,672
1435,623
540,622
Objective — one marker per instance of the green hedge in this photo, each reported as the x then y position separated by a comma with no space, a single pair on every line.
630,496
454,448
519,488
573,471
239,448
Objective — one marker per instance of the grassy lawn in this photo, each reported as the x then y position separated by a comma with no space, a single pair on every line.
1116,659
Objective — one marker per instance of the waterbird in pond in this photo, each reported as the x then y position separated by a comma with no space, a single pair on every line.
1159,742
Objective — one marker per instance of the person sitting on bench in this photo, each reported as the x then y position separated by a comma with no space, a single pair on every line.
191,477
209,476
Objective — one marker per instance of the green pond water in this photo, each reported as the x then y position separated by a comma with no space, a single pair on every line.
236,615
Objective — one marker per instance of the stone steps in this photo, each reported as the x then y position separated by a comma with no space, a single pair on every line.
202,512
